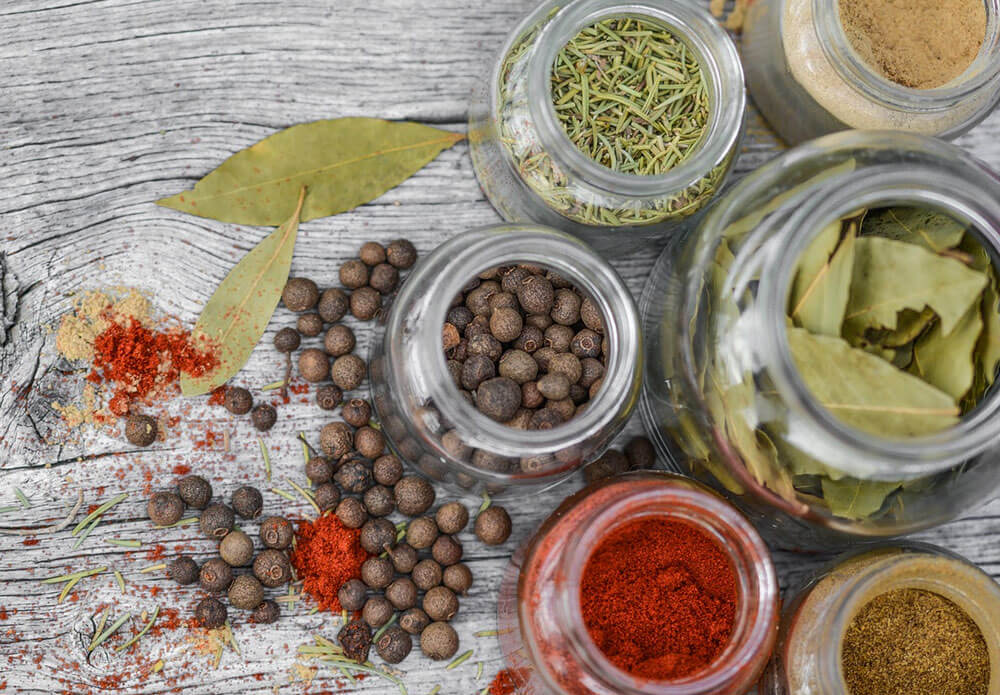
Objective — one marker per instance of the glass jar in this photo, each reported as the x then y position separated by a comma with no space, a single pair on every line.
544,639
807,657
423,414
723,398
807,80
532,172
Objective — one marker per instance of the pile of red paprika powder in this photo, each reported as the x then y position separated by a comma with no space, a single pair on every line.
326,555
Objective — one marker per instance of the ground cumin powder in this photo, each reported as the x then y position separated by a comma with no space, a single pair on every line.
916,43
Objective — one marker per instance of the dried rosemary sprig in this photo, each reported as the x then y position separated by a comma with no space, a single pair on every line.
99,511
267,458
143,631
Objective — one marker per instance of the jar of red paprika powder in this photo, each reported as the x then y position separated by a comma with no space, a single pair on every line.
645,583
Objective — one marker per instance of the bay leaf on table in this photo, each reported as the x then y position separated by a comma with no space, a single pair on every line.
866,392
922,226
238,312
947,361
820,290
343,162
852,498
890,276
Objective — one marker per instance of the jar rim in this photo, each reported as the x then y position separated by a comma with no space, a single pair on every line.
720,65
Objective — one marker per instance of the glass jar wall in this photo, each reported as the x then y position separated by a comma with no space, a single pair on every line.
425,417
532,172
542,632
723,396
807,80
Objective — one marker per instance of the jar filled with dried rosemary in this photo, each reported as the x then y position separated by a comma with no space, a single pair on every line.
612,122
824,347
910,618
819,66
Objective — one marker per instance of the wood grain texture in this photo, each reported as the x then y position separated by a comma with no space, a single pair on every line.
108,105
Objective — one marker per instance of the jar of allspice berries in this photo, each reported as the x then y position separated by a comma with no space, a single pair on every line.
510,358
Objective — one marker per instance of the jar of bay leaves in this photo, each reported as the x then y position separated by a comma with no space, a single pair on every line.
437,423
616,122
824,347
819,66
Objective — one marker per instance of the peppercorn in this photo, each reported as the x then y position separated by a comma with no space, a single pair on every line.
314,365
499,398
558,337
458,578
476,370
329,396
348,372
353,476
493,525
140,430
165,508
404,557
195,491
246,592
640,453
237,400
384,278
591,370
287,340
310,325
414,621
276,532
300,294
267,612
377,533
351,512
352,595
414,495
336,439
401,253
319,469
394,645
554,386
333,305
421,533
377,611
452,517
591,316
183,570
356,639
446,551
440,603
327,496
568,364
215,575
519,366
379,500
211,613
426,574
387,470
264,416
272,568
247,502
236,549
531,339
216,520
365,303
377,572
439,641
565,307
339,340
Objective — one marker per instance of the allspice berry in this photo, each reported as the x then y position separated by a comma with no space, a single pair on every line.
536,295
351,512
356,639
276,532
287,340
272,568
369,442
211,613
183,570
493,525
452,517
372,253
446,551
384,278
319,469
402,593
264,416
427,574
195,491
414,621
333,305
215,575
266,613
401,254
310,325
566,307
140,430
506,324
353,274
314,365
379,500
377,611
440,603
248,502
348,372
245,592
591,316
475,370
421,533
236,549
377,572
394,645
352,595
237,400
165,508
414,495
216,520
327,496
404,557
640,453
339,340
353,476
518,366
300,294
498,398
356,412
458,578
387,470
377,533
439,641
336,439
554,386
365,303
329,396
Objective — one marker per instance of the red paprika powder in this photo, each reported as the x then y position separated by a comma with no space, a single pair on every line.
326,555
658,597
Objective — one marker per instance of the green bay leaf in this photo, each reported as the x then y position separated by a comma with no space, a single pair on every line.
890,276
922,226
946,361
851,498
865,391
238,312
821,289
344,162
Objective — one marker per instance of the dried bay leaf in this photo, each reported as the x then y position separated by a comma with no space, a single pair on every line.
921,226
238,312
851,498
909,325
820,296
946,361
344,162
866,392
890,276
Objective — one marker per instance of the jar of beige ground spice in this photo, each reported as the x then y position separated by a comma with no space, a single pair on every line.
924,66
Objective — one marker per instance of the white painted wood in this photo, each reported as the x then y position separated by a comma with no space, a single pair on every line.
107,105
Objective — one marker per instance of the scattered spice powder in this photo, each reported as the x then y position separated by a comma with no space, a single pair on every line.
326,555
658,597
503,684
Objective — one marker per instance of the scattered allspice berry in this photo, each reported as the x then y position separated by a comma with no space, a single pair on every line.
384,278
353,476
427,574
351,512
264,416
377,533
165,508
452,517
394,645
216,521
236,549
422,532
352,595
446,551
377,611
327,496
266,613
211,613
195,491
377,572
369,442
348,371
493,525
402,593
440,603
319,469
404,557
314,365
245,592
339,340
372,253
333,305
414,621
365,303
248,502
353,274
458,578
300,294
287,340
401,254
336,439
215,575
310,325
414,495
328,396
276,532
355,638
356,412
140,430
272,568
379,500
387,470
439,641
183,570
237,400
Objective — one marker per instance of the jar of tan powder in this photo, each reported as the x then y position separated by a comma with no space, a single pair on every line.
925,66
909,618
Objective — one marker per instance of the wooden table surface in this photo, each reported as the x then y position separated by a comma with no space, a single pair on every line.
107,105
